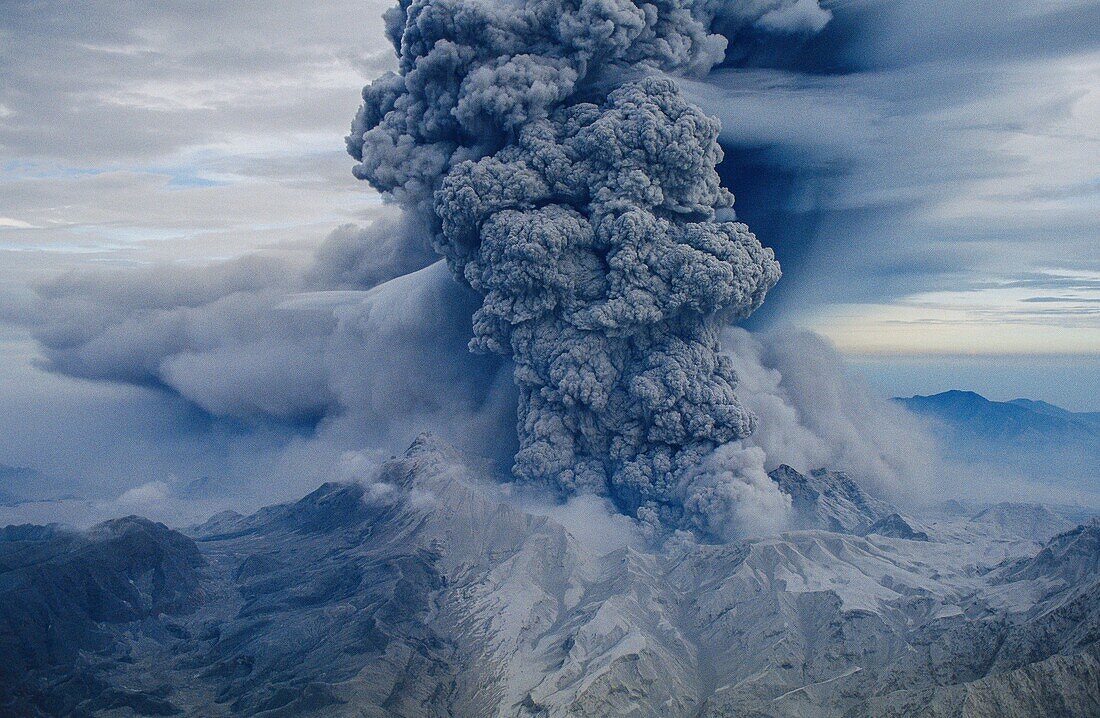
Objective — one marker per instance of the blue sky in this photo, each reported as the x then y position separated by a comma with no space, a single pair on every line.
926,171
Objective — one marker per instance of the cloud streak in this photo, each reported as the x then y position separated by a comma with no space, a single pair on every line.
902,150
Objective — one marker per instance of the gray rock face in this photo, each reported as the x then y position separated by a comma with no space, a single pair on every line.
430,592
64,595
897,526
829,500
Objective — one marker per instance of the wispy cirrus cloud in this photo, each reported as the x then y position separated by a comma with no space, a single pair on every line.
919,148
1051,312
188,131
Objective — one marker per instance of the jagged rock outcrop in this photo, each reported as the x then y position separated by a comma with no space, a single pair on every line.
829,500
897,526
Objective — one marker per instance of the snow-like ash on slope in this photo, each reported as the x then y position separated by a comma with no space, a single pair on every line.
583,204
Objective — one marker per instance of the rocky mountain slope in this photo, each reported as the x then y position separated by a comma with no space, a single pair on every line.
829,500
431,592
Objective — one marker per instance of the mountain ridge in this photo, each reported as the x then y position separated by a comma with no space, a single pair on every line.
428,591
1011,419
1038,450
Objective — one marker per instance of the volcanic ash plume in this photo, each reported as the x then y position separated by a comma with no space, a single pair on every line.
571,184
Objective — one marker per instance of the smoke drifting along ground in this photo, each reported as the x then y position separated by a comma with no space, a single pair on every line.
575,189
813,413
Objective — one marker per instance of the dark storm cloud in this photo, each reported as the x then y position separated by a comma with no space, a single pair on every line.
847,128
905,139
275,368
878,146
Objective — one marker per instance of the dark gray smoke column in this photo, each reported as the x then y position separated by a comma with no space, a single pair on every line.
572,185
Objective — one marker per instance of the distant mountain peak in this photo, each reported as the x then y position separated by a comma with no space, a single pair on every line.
951,395
962,393
1045,445
946,404
1027,520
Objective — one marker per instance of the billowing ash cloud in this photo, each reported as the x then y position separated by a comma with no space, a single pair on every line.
392,364
574,187
814,413
360,330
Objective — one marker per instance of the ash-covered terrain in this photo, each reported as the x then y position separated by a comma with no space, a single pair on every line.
428,590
